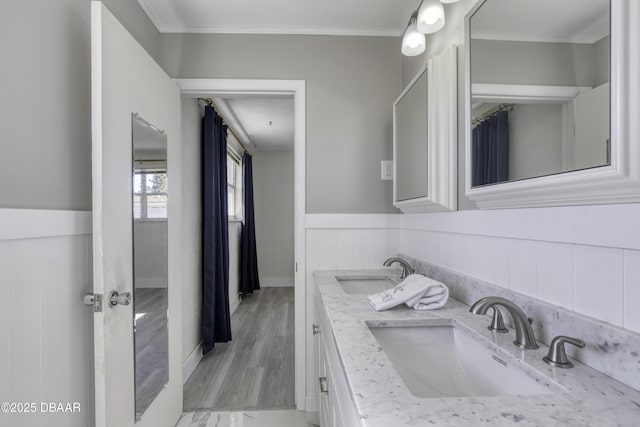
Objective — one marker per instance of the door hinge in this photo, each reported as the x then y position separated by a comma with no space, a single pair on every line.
94,300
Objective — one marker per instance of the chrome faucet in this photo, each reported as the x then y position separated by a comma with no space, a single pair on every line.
525,337
406,267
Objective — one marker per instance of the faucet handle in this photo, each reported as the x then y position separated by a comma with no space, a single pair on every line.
497,323
557,355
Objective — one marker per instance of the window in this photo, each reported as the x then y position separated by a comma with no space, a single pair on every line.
149,193
234,185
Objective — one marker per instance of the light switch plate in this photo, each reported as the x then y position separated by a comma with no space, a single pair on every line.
387,170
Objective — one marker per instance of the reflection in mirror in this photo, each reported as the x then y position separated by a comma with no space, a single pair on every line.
150,252
540,98
410,112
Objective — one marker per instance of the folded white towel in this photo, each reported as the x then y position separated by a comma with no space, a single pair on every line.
412,288
436,296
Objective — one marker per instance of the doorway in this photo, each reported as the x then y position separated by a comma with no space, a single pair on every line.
214,88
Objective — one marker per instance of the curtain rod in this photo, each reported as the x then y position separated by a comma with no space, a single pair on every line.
210,103
491,112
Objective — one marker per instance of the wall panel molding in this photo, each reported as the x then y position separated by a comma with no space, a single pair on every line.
351,221
33,223
595,225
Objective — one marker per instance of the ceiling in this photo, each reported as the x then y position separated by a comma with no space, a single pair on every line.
565,21
323,17
260,122
267,123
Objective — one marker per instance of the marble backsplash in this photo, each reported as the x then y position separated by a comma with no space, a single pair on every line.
610,349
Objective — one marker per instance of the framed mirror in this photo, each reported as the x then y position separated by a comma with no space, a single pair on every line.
546,86
425,138
150,253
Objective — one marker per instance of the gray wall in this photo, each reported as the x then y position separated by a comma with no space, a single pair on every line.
535,140
273,197
511,62
136,21
601,61
351,84
191,227
45,115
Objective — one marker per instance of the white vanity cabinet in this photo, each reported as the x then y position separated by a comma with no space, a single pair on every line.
336,406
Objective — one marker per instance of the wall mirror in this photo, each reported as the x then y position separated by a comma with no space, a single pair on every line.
150,253
425,138
543,84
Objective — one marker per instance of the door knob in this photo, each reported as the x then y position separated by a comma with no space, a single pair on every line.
94,300
116,298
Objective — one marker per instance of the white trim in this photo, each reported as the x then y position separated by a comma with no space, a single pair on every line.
229,87
280,31
233,123
617,183
96,215
579,39
34,223
276,282
312,407
265,30
488,92
442,136
300,206
234,303
191,363
358,221
297,88
568,224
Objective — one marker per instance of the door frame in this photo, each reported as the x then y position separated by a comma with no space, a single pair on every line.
297,88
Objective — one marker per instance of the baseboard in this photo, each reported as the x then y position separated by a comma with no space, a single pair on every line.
151,283
313,418
234,302
276,282
191,362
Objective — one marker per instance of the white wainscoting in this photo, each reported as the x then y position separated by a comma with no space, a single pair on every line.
46,330
580,258
342,241
583,258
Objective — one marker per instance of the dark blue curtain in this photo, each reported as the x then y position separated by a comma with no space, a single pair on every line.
216,319
249,281
490,150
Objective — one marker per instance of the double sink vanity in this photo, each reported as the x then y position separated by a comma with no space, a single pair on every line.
403,367
444,367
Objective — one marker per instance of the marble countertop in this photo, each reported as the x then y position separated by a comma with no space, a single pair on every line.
580,396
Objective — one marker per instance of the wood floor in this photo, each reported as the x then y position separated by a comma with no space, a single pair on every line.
152,345
255,371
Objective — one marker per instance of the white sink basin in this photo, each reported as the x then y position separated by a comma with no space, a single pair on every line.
445,361
365,285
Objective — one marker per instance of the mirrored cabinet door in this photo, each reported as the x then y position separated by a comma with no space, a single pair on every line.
425,138
539,88
550,94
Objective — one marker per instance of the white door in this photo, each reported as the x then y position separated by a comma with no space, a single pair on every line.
126,80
